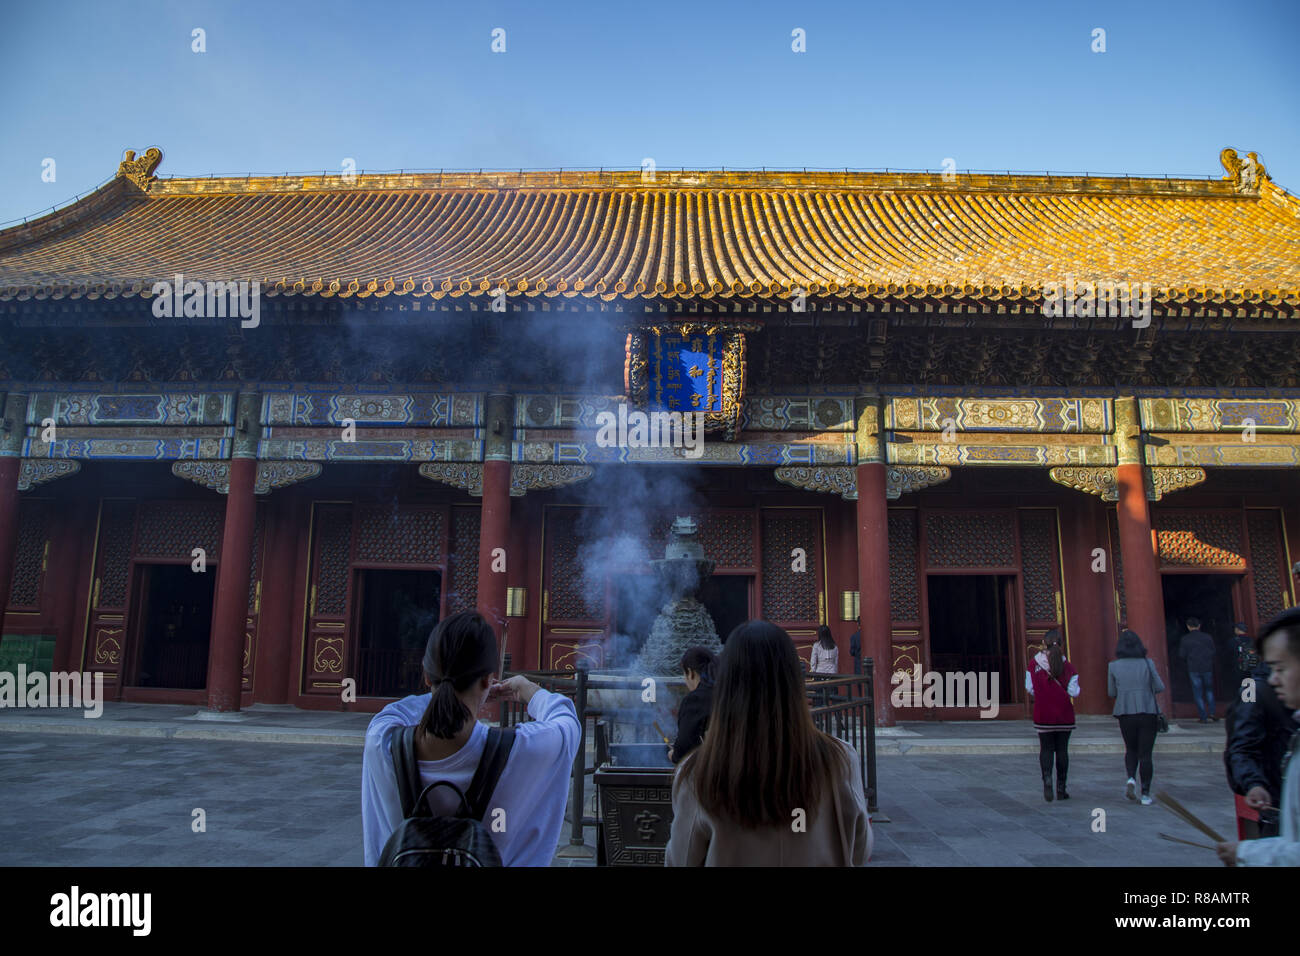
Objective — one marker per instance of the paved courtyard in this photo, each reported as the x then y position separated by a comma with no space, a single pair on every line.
83,800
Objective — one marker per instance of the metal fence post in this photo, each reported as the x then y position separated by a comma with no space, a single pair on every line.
577,846
870,691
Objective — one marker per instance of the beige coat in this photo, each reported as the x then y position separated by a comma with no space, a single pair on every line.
837,834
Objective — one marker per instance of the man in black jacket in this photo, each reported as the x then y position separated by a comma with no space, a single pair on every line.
1258,733
1197,649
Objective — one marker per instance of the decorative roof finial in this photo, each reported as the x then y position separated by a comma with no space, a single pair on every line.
140,171
1246,175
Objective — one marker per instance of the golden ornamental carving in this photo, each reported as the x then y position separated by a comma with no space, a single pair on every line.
526,478
902,479
140,171
841,480
466,475
1092,481
1164,481
209,474
1246,174
37,471
282,474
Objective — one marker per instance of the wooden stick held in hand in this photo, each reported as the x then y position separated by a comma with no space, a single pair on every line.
1174,839
1180,811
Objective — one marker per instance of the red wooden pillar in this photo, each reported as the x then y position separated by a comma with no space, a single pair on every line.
494,523
275,624
13,421
1144,601
9,467
226,657
873,583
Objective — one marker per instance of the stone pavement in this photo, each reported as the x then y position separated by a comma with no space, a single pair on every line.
120,790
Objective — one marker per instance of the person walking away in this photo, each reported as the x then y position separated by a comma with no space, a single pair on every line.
1197,651
1053,682
698,667
1279,644
766,787
825,655
1259,728
1132,679
855,646
460,662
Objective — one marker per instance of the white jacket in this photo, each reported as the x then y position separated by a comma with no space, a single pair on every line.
1281,850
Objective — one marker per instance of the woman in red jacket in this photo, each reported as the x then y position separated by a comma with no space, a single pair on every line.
1053,682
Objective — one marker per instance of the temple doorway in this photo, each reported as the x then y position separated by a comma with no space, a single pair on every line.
396,613
174,626
726,597
969,626
1210,598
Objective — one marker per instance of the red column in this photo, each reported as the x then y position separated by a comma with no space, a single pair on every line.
274,646
873,583
1143,599
9,468
226,656
494,543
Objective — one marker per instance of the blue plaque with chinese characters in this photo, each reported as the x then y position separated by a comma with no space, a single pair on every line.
686,373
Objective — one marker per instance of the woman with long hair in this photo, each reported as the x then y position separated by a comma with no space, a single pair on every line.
1053,682
460,663
825,655
766,787
697,665
1133,681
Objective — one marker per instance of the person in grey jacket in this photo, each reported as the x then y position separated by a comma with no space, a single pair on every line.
1133,681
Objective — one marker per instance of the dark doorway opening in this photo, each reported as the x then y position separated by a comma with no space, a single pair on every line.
398,610
969,626
1208,597
175,626
726,596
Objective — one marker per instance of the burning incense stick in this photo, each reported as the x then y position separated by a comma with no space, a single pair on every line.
1180,811
1174,839
655,724
505,633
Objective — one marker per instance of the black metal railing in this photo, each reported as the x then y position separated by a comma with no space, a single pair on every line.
844,706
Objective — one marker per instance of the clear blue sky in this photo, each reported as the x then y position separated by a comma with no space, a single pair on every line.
305,85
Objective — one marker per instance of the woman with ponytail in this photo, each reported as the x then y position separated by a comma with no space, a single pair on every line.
1053,683
460,663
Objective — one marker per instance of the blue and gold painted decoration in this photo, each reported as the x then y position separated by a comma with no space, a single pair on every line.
377,409
128,449
686,373
1036,415
712,453
366,449
1220,414
155,408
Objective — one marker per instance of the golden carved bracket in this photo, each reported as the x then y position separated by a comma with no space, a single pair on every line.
1102,481
842,480
523,477
1091,481
37,471
270,474
140,171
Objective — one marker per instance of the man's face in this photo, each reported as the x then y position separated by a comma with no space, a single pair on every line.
1284,670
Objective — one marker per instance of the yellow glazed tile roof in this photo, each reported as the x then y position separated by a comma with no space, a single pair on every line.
684,235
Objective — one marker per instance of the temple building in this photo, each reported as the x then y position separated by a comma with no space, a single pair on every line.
260,433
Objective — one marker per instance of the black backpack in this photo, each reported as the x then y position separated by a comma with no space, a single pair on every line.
422,839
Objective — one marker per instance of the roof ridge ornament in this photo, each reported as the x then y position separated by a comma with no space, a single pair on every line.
140,171
1247,174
